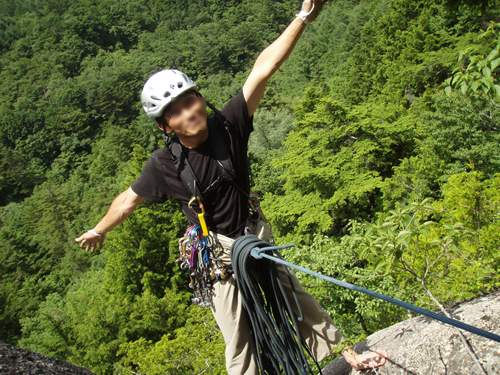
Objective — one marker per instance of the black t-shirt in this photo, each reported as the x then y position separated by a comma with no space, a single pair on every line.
227,208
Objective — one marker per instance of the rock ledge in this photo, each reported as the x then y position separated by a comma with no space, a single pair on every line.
422,346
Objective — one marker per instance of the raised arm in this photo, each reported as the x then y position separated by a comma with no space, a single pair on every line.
271,58
121,207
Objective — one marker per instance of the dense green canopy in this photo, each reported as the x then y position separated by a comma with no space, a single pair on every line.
376,150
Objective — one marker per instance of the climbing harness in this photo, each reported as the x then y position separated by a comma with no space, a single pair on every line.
200,251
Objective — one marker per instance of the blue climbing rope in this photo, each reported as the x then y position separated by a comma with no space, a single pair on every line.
259,253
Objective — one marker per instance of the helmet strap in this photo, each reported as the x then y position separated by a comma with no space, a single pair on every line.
167,137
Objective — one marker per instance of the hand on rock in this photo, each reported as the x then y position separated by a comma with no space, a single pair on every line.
367,360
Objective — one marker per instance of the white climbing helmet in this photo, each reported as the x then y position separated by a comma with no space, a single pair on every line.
163,87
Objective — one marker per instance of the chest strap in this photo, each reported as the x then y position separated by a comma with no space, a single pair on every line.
219,151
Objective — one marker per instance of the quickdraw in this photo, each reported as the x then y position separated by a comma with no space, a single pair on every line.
201,255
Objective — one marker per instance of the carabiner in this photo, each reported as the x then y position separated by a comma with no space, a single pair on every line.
200,211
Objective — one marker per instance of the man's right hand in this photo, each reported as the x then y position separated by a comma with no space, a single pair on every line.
90,240
121,207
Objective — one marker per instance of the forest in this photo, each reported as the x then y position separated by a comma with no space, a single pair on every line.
376,151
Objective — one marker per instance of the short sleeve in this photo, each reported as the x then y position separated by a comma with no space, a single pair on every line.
236,111
150,184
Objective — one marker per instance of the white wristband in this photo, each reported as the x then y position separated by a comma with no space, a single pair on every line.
94,232
303,14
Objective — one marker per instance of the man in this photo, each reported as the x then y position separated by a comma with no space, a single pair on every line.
173,101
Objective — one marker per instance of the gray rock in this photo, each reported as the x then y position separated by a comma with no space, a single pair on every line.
14,361
423,346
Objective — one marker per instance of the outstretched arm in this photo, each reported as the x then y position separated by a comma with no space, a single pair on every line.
121,207
271,58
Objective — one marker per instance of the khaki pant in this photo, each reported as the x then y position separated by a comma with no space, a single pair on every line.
316,328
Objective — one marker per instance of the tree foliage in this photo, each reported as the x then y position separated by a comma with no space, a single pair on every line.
375,150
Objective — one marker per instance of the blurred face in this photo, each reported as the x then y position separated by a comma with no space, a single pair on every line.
186,116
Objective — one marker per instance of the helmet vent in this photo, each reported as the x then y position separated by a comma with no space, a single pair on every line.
162,88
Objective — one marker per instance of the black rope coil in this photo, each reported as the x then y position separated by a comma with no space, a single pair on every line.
280,349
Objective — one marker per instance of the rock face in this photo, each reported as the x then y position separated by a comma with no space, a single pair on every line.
422,346
14,361
418,346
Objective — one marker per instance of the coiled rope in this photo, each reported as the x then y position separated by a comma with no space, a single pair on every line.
273,322
280,349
